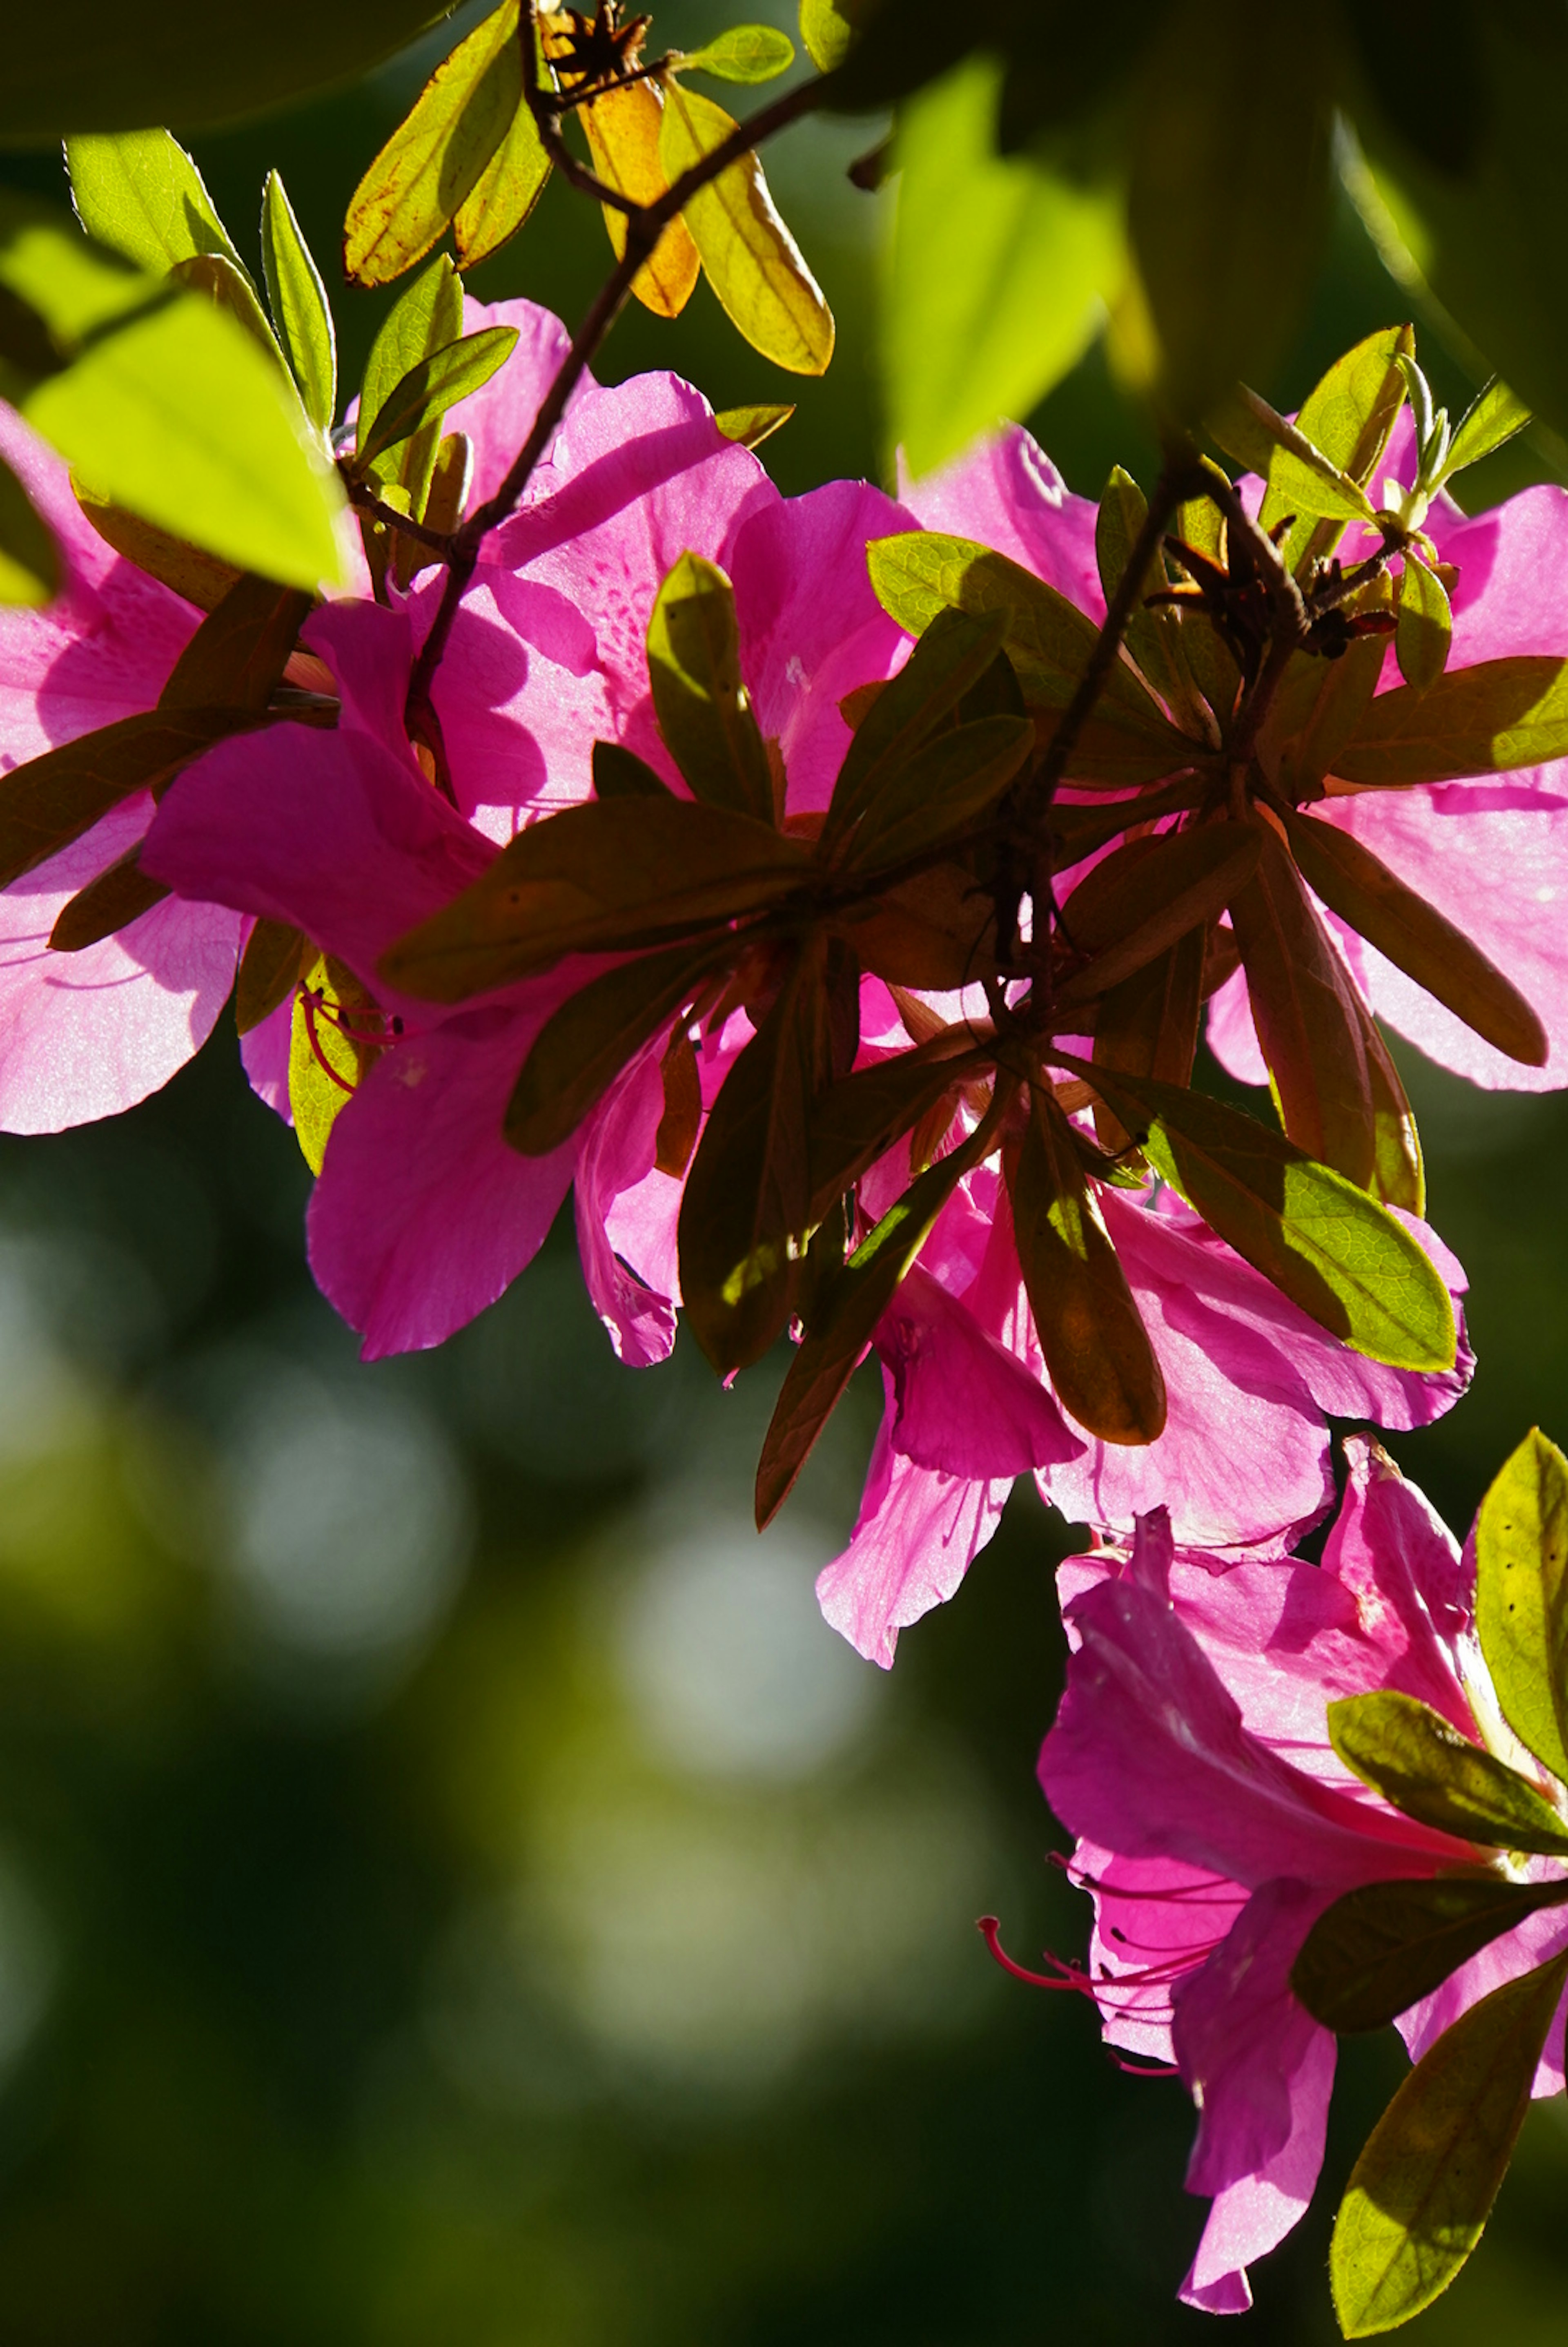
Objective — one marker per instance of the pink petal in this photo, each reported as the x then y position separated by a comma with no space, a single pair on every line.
965,1404
1232,1037
616,1150
1007,494
499,416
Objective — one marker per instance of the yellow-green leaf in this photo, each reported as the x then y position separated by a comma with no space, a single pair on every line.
1522,1597
746,52
699,697
300,311
139,192
624,128
1421,1764
29,559
749,426
324,1063
753,263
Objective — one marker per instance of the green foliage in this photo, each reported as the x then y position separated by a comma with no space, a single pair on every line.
139,193
582,1046
300,311
1485,720
826,27
1421,1764
1426,625
744,53
416,403
703,708
1522,1597
1422,2189
165,407
1381,1949
29,559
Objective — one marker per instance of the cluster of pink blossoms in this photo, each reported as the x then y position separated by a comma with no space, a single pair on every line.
1208,1850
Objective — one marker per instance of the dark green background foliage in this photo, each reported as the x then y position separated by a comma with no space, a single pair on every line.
408,1930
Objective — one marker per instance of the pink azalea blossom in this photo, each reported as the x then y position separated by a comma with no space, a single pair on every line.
1214,1822
1490,854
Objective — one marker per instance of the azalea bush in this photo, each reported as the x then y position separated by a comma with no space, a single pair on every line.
835,895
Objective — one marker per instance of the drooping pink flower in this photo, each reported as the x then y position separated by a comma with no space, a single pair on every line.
1214,1822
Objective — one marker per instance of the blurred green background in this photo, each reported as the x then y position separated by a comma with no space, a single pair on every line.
452,1885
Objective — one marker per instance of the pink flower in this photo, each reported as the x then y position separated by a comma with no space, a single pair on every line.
1214,1822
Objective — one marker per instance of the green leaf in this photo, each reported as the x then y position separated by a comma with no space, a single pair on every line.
1224,282
139,193
1280,453
433,162
1426,625
1421,1764
612,877
947,785
1096,1348
29,559
826,27
1148,895
748,52
998,274
950,659
1349,414
1126,738
582,1048
168,408
269,969
300,311
98,64
699,697
749,426
1422,2189
1325,1244
852,1301
1399,1170
426,318
1485,720
1378,1950
505,194
120,895
229,289
423,397
1493,418
1414,935
1522,1597
53,799
742,1229
620,774
1154,635
753,263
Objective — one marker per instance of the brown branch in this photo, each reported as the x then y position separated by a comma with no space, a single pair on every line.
546,108
364,499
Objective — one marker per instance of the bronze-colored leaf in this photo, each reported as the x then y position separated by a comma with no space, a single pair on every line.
682,1119
583,1047
52,800
117,898
269,971
237,656
1147,1025
1149,894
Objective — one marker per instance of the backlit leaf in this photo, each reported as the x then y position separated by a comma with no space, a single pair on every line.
1493,417
168,409
747,53
1414,935
431,164
504,193
1349,414
854,1120
583,1047
620,774
826,27
1522,1597
1281,453
947,785
1485,720
1148,895
436,384
953,655
1325,1244
1422,2189
624,128
753,262
1421,1764
1378,1951
218,280
1154,635
749,426
29,559
1398,1170
1426,625
612,877
1097,1348
199,576
699,697
139,192
936,930
300,311
324,1063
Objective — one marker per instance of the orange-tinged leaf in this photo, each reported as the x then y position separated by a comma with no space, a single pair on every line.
199,576
753,263
1147,1025
623,128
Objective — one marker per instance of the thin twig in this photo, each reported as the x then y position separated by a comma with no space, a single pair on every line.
365,499
545,105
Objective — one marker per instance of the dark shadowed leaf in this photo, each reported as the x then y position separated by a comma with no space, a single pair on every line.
1154,635
269,971
240,651
1375,1951
947,785
199,576
1308,1016
951,656
856,1119
29,559
52,800
1147,1025
1148,895
1485,720
1097,1348
1422,1765
611,876
1415,937
1522,1597
699,697
117,898
1325,1244
1399,1170
583,1047
1422,2189
744,1215
937,929
1426,625
620,774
